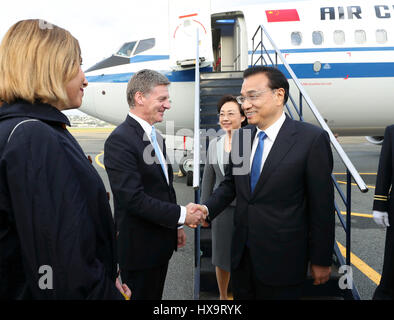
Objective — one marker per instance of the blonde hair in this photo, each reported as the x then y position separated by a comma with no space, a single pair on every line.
37,60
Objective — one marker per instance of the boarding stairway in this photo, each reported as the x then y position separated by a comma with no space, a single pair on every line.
212,87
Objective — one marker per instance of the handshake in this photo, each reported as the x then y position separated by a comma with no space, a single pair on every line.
195,215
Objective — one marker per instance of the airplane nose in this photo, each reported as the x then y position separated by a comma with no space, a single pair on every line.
87,101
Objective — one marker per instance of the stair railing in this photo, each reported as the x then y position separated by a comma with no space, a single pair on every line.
196,173
270,58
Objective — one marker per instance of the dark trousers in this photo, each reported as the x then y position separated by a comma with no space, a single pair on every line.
246,286
146,284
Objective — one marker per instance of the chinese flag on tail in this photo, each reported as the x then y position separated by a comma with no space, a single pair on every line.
282,15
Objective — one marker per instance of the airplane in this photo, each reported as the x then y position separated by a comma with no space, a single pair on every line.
341,51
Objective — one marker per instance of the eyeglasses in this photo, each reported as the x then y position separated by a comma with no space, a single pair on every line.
253,97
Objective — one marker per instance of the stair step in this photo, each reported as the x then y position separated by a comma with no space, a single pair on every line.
211,100
205,234
211,108
206,265
209,120
220,91
214,83
221,75
212,104
209,126
206,243
208,281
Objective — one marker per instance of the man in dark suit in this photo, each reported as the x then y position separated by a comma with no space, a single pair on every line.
383,214
148,220
280,173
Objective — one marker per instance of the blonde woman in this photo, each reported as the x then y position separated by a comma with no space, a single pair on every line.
231,117
57,237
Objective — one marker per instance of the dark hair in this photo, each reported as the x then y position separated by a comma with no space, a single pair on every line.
144,81
276,79
230,98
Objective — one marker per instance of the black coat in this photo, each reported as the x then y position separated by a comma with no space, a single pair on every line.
289,218
383,201
146,213
54,211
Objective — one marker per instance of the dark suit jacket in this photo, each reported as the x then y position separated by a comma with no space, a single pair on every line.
384,193
146,213
54,211
289,218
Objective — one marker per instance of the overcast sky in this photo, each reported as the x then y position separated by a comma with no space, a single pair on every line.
100,26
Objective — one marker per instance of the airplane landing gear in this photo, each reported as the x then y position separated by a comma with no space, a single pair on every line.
186,167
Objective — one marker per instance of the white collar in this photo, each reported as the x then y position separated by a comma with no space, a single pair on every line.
273,130
144,124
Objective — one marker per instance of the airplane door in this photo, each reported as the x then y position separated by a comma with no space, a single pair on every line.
237,47
230,41
185,17
227,45
241,44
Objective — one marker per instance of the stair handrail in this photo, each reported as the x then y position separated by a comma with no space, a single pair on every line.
196,166
345,159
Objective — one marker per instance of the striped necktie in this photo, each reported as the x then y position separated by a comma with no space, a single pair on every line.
157,152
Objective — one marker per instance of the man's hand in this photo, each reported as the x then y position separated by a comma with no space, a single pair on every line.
204,210
381,218
124,289
181,238
194,216
320,274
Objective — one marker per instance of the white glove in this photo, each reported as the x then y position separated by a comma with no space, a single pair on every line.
381,218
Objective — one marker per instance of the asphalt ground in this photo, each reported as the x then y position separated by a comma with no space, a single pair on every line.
367,239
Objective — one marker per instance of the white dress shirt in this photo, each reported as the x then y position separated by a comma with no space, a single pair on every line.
148,131
271,132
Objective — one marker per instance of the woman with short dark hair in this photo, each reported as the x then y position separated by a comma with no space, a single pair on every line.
231,117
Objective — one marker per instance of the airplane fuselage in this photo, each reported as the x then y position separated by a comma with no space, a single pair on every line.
342,52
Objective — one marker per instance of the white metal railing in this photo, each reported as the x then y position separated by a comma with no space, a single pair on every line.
196,169
349,165
351,171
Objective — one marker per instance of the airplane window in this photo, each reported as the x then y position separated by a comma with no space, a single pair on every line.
339,37
317,37
145,45
296,38
127,49
360,36
381,36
